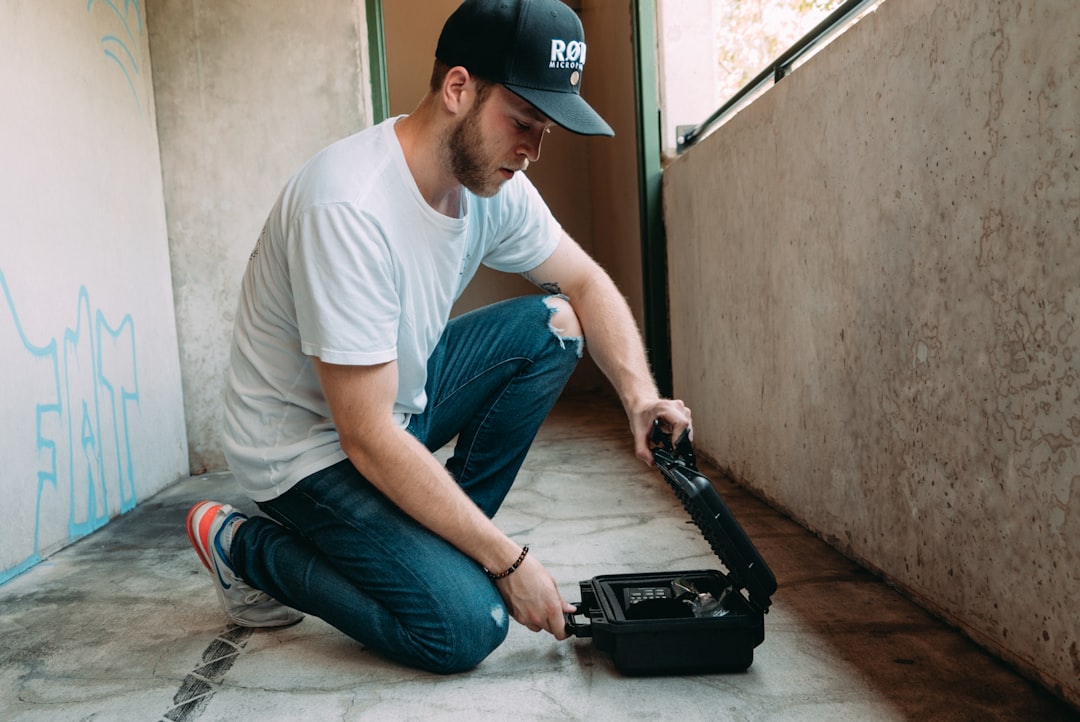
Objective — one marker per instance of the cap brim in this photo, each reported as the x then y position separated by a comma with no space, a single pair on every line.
568,110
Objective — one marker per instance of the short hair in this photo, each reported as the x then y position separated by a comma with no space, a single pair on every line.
438,75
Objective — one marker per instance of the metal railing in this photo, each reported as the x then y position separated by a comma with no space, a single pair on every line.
832,25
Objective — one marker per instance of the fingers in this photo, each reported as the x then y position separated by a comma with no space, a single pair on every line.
674,417
554,623
534,599
558,626
643,451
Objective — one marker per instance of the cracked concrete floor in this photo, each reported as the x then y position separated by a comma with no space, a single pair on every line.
124,624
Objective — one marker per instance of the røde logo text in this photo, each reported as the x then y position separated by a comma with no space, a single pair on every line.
567,54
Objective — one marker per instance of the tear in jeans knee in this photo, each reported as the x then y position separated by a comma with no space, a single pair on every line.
572,333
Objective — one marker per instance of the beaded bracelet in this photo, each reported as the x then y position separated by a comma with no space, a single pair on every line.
514,566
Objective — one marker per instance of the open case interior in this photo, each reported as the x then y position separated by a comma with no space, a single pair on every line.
642,597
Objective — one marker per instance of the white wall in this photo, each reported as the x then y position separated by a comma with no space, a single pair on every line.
875,308
92,419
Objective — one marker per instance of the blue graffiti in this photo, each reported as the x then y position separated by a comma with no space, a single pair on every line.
82,390
116,48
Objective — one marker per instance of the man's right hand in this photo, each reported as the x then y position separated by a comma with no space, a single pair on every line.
534,600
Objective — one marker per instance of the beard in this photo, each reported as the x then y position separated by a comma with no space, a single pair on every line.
469,160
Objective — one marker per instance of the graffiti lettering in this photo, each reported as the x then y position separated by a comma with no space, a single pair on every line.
116,48
77,392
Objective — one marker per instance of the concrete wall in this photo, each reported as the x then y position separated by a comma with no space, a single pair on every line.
246,92
92,417
875,305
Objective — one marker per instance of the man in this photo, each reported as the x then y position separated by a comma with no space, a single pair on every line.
345,373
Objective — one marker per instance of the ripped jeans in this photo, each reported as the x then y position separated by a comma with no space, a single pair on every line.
336,548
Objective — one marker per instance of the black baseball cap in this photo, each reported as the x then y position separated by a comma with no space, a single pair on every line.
536,48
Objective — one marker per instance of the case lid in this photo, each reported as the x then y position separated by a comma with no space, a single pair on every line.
711,515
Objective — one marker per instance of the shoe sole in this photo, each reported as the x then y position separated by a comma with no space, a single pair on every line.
196,537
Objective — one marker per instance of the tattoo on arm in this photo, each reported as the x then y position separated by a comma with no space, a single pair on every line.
548,286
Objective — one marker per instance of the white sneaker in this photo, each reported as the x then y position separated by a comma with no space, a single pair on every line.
243,604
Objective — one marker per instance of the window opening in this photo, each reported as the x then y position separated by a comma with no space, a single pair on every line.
712,51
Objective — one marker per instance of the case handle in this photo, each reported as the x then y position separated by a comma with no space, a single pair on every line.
667,452
581,631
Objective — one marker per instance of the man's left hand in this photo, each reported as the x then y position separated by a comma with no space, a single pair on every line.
674,418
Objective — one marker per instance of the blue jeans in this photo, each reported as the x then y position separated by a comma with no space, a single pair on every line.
335,547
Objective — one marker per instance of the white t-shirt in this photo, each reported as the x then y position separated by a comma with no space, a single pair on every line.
354,267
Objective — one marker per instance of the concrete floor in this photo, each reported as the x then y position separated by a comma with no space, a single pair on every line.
124,625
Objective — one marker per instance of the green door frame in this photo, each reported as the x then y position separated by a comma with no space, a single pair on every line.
650,185
653,240
380,88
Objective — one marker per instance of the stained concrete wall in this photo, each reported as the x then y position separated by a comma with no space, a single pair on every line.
874,307
92,417
246,92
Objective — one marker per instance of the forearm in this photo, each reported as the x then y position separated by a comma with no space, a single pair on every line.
411,477
360,400
614,342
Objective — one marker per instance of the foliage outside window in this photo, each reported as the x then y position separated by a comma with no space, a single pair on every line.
750,34
709,49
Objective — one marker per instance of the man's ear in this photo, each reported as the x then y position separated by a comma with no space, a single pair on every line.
453,89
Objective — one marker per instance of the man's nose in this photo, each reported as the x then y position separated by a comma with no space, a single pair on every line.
530,148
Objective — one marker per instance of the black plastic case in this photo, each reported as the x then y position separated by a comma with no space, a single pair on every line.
646,621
